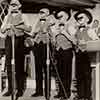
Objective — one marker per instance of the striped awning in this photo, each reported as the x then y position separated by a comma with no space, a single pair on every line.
86,3
29,5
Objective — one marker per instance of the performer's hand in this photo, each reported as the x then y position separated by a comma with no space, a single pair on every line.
53,42
82,42
82,45
12,27
2,35
13,30
5,28
8,26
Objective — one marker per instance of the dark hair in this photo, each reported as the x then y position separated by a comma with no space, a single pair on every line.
87,13
95,20
66,11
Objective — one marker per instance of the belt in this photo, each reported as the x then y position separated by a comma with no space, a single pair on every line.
40,42
18,33
61,49
66,48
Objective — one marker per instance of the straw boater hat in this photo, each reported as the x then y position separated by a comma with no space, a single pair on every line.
15,3
82,12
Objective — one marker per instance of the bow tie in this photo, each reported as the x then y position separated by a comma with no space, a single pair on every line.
14,12
82,27
42,19
61,24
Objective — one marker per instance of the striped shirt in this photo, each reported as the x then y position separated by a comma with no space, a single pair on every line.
42,32
62,42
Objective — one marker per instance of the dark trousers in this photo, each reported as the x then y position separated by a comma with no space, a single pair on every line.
64,65
40,52
83,75
19,61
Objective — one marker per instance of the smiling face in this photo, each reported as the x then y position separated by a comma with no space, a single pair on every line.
82,19
61,26
43,13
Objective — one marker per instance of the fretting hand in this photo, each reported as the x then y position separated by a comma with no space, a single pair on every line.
82,45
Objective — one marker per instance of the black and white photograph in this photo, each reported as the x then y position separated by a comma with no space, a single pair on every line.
49,49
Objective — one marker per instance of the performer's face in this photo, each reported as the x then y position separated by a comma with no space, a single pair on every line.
43,14
63,16
61,26
82,19
13,8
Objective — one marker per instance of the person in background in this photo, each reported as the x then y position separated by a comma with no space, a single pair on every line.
14,25
83,69
98,30
96,27
64,54
95,24
41,38
94,30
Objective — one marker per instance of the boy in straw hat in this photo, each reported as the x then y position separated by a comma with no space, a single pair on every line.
83,69
40,49
64,53
15,25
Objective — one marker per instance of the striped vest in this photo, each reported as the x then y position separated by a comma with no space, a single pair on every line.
83,35
62,42
15,20
42,30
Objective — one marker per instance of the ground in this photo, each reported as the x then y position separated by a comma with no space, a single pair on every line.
27,96
30,90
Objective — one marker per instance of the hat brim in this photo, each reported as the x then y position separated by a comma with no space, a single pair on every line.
19,6
86,12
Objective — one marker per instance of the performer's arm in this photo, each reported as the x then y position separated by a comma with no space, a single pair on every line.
70,37
4,28
36,29
24,27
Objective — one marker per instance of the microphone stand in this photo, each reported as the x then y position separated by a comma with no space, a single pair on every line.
74,94
48,68
13,65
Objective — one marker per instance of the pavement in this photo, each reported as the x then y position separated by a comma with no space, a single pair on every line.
31,85
27,95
